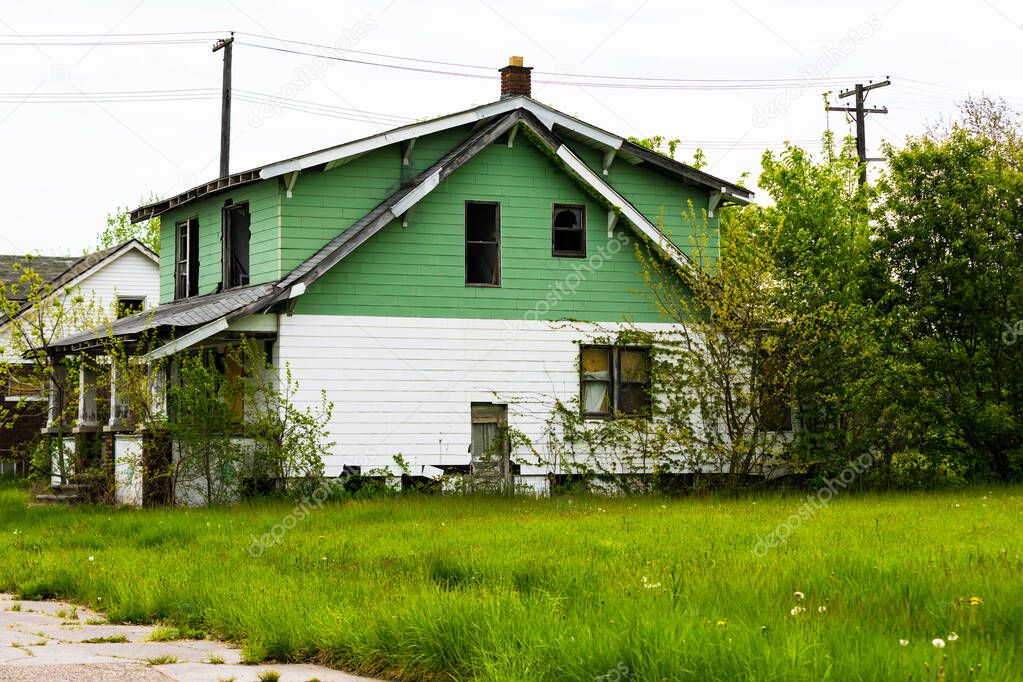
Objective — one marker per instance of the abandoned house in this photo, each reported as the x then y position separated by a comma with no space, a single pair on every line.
118,281
423,277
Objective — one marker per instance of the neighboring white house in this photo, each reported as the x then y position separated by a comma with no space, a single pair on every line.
116,281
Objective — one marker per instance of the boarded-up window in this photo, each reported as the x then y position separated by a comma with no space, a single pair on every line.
775,402
235,238
482,244
186,258
568,231
615,381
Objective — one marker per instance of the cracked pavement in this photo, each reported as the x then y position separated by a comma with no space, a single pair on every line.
59,642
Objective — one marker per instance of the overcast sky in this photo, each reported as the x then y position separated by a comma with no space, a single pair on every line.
66,164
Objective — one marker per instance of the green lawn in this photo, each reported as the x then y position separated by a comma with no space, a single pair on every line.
563,589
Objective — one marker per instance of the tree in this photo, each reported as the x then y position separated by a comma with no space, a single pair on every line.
822,219
120,229
950,258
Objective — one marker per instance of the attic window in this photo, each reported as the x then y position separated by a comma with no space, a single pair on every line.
482,244
235,239
129,305
186,258
568,225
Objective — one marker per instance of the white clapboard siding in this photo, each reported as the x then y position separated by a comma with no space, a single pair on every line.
131,274
405,384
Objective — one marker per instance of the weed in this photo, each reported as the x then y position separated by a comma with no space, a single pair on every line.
215,660
162,659
164,634
112,639
269,676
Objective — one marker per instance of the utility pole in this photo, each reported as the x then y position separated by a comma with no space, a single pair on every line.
225,105
860,113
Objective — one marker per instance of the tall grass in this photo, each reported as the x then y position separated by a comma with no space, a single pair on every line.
562,589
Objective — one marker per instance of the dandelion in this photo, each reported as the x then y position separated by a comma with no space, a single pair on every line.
903,642
952,636
92,558
723,623
796,610
798,595
976,601
822,609
938,643
323,558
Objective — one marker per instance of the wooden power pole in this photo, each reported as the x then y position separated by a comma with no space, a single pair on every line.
225,105
860,112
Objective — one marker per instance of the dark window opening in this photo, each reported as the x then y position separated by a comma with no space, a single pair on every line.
615,381
235,239
129,305
568,225
482,244
186,258
775,403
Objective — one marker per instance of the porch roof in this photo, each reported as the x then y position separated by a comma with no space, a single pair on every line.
182,314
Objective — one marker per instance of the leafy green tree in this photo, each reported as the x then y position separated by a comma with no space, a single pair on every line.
822,219
120,229
950,257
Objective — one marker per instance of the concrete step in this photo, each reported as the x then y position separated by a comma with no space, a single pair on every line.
73,488
58,498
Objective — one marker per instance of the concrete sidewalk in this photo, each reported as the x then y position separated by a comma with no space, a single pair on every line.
56,642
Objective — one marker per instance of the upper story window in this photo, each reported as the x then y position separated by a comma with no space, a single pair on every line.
129,305
615,381
235,241
482,243
186,258
568,231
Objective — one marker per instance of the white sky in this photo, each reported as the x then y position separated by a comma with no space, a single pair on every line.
65,166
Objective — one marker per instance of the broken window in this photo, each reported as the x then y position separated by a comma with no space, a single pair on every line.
129,305
186,258
634,381
482,244
235,240
615,381
489,448
597,387
568,225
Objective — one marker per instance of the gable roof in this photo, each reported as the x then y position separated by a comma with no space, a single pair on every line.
60,271
212,313
613,146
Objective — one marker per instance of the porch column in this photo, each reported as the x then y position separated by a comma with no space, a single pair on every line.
118,408
88,417
58,381
158,387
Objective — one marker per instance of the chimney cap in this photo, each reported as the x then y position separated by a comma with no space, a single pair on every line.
515,61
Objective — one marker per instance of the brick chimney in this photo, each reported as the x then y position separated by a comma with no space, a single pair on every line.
515,78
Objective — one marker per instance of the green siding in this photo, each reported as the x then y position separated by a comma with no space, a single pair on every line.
264,250
419,270
663,201
325,204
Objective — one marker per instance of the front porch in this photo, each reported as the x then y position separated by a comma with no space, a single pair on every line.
109,416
